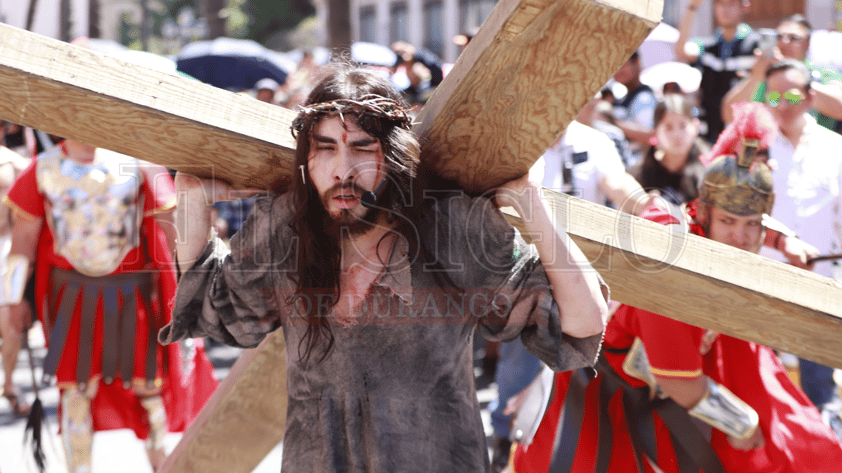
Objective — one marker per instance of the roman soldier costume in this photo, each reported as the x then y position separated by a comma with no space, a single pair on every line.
104,278
618,419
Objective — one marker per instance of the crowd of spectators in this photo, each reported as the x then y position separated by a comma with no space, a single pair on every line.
640,143
635,145
665,131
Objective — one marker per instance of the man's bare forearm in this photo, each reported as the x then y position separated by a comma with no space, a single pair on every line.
742,92
192,219
828,99
576,287
684,33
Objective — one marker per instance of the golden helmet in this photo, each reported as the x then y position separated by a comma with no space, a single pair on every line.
738,184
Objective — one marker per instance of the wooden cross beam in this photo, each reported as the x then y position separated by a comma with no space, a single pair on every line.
243,420
701,282
180,123
516,86
521,80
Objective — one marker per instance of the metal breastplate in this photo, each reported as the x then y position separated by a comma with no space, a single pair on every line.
94,209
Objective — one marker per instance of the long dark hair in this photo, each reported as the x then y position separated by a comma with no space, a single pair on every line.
651,174
319,261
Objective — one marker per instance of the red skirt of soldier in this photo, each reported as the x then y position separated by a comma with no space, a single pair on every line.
792,428
87,355
103,327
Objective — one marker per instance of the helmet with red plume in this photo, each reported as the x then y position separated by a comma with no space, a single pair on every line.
752,122
734,180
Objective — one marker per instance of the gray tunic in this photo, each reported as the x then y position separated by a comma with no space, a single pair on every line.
396,393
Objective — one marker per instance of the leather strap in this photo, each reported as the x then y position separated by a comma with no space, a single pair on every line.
689,443
642,439
127,336
119,323
151,333
90,295
142,288
606,433
692,449
569,424
695,445
58,335
111,331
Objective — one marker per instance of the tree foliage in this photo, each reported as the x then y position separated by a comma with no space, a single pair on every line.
259,20
269,17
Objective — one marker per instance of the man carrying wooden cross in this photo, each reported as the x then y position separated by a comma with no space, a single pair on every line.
379,278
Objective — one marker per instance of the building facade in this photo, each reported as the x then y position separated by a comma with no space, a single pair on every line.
48,16
434,23
429,23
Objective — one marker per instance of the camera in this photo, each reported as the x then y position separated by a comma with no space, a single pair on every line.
768,40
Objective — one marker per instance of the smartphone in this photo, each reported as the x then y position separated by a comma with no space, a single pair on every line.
768,40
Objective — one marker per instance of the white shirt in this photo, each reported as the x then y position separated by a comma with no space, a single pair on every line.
808,189
592,156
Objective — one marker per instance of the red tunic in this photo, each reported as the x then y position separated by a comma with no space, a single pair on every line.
795,436
115,407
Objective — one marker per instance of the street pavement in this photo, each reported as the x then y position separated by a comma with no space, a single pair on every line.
118,451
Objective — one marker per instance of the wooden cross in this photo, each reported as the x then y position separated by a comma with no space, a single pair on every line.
517,85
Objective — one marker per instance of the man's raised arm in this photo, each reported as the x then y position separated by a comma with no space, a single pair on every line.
193,213
681,50
576,285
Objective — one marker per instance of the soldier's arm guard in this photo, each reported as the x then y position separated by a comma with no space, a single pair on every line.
637,366
772,224
13,277
722,409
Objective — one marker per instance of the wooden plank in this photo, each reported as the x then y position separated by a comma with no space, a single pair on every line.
184,125
170,120
522,79
701,282
243,420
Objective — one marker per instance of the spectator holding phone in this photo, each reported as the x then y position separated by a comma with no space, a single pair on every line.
792,42
720,59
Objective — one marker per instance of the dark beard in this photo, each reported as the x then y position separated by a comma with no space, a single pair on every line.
347,221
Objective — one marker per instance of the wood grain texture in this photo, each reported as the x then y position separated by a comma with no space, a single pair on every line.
243,420
659,268
521,80
695,280
185,125
170,120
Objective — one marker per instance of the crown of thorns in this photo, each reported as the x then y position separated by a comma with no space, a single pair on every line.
367,107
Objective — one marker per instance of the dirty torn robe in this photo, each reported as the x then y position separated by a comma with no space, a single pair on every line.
396,391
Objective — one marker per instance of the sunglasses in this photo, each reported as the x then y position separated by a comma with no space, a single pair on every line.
791,38
792,96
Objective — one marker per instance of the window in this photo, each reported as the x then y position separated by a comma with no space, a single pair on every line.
472,13
368,25
398,27
672,12
433,27
767,14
